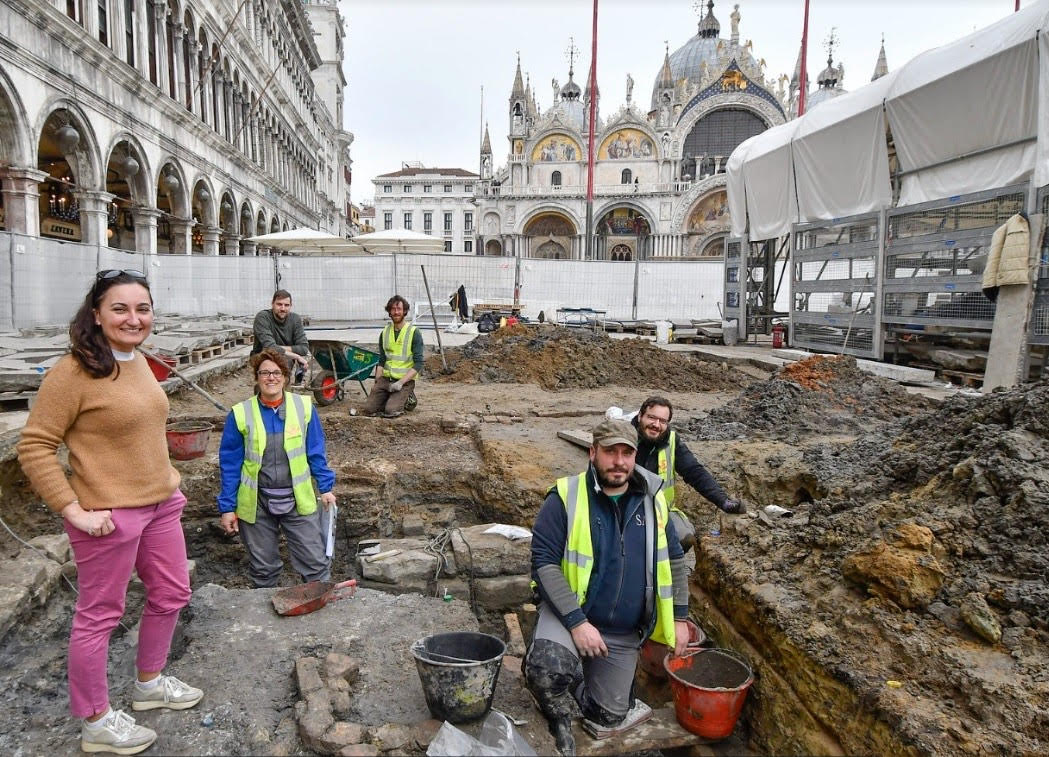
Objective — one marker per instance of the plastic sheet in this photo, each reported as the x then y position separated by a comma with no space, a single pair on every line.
499,738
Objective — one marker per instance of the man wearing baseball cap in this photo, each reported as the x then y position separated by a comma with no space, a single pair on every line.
610,573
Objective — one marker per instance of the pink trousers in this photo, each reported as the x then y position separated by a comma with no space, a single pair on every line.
147,539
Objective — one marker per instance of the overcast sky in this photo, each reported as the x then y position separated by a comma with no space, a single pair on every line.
415,68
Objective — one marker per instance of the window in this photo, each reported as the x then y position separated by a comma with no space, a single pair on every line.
447,187
427,188
468,221
626,177
448,245
555,178
447,221
427,222
73,10
468,187
129,30
151,43
387,188
103,21
468,246
407,221
387,221
407,189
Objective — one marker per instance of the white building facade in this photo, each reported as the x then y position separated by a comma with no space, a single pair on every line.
177,126
435,201
659,168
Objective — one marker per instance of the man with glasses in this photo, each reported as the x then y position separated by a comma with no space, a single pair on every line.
661,451
279,327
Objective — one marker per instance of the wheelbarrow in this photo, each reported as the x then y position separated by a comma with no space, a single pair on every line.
340,363
305,598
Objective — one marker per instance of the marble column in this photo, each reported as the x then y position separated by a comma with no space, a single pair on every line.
181,236
22,199
230,244
94,216
145,229
180,70
211,235
163,70
249,248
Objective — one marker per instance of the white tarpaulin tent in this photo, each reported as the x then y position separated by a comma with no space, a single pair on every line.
968,116
737,198
309,241
399,240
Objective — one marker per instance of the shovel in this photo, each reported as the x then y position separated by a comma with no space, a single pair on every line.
305,598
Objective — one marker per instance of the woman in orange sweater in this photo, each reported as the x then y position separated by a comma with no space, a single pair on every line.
121,507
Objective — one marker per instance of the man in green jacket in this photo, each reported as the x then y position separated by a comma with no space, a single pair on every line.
279,327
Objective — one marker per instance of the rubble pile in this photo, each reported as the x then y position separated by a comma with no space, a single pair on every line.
819,395
558,358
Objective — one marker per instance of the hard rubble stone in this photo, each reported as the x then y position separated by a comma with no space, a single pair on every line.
391,737
343,734
340,666
980,618
55,546
423,732
308,675
908,575
502,592
359,750
490,554
315,719
412,525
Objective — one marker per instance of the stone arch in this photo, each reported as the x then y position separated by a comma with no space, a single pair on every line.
688,199
15,146
759,107
140,183
551,250
490,224
610,131
260,223
177,196
549,208
228,212
274,224
245,225
84,160
493,247
204,202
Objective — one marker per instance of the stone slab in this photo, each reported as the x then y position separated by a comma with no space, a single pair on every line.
490,554
659,733
577,437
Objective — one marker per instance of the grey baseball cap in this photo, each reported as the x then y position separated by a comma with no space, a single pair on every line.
609,432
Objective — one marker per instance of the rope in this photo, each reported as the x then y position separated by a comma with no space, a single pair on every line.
43,554
437,546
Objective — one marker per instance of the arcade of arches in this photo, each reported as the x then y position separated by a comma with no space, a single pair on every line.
549,235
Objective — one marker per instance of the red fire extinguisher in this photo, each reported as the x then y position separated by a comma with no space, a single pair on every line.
778,330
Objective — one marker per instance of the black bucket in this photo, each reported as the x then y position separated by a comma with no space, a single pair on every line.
458,673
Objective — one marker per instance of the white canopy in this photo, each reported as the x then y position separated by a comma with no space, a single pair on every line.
968,116
309,241
399,240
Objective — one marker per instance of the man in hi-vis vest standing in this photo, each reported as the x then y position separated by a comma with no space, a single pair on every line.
400,361
610,573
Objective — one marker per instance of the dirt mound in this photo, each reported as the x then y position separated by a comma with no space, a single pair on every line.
558,358
819,395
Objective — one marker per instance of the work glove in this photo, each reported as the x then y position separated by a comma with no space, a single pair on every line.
734,506
397,385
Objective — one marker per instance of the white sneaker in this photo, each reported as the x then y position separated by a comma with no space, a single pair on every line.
170,692
637,715
119,735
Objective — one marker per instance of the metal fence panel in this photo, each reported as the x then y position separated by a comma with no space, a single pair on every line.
200,285
337,288
679,290
1040,314
935,254
486,279
600,285
49,279
834,281
7,292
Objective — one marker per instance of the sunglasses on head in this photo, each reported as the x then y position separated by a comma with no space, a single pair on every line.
112,273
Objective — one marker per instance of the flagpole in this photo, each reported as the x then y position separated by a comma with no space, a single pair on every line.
590,143
804,55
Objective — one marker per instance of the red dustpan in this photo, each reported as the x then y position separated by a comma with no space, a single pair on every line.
305,598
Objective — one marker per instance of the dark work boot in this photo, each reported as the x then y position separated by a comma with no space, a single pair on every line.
552,672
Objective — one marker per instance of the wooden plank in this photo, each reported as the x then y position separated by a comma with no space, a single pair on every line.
577,436
660,732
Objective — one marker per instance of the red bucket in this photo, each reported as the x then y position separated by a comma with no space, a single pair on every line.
652,652
188,439
709,687
162,371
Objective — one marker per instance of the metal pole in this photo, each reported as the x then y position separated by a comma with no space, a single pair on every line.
590,143
440,347
157,359
804,55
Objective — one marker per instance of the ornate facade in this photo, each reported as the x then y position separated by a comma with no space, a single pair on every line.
181,126
659,182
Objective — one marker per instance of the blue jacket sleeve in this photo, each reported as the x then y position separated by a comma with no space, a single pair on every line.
317,456
231,459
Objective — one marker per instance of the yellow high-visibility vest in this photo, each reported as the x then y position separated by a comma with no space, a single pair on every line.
666,469
248,415
577,564
398,349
